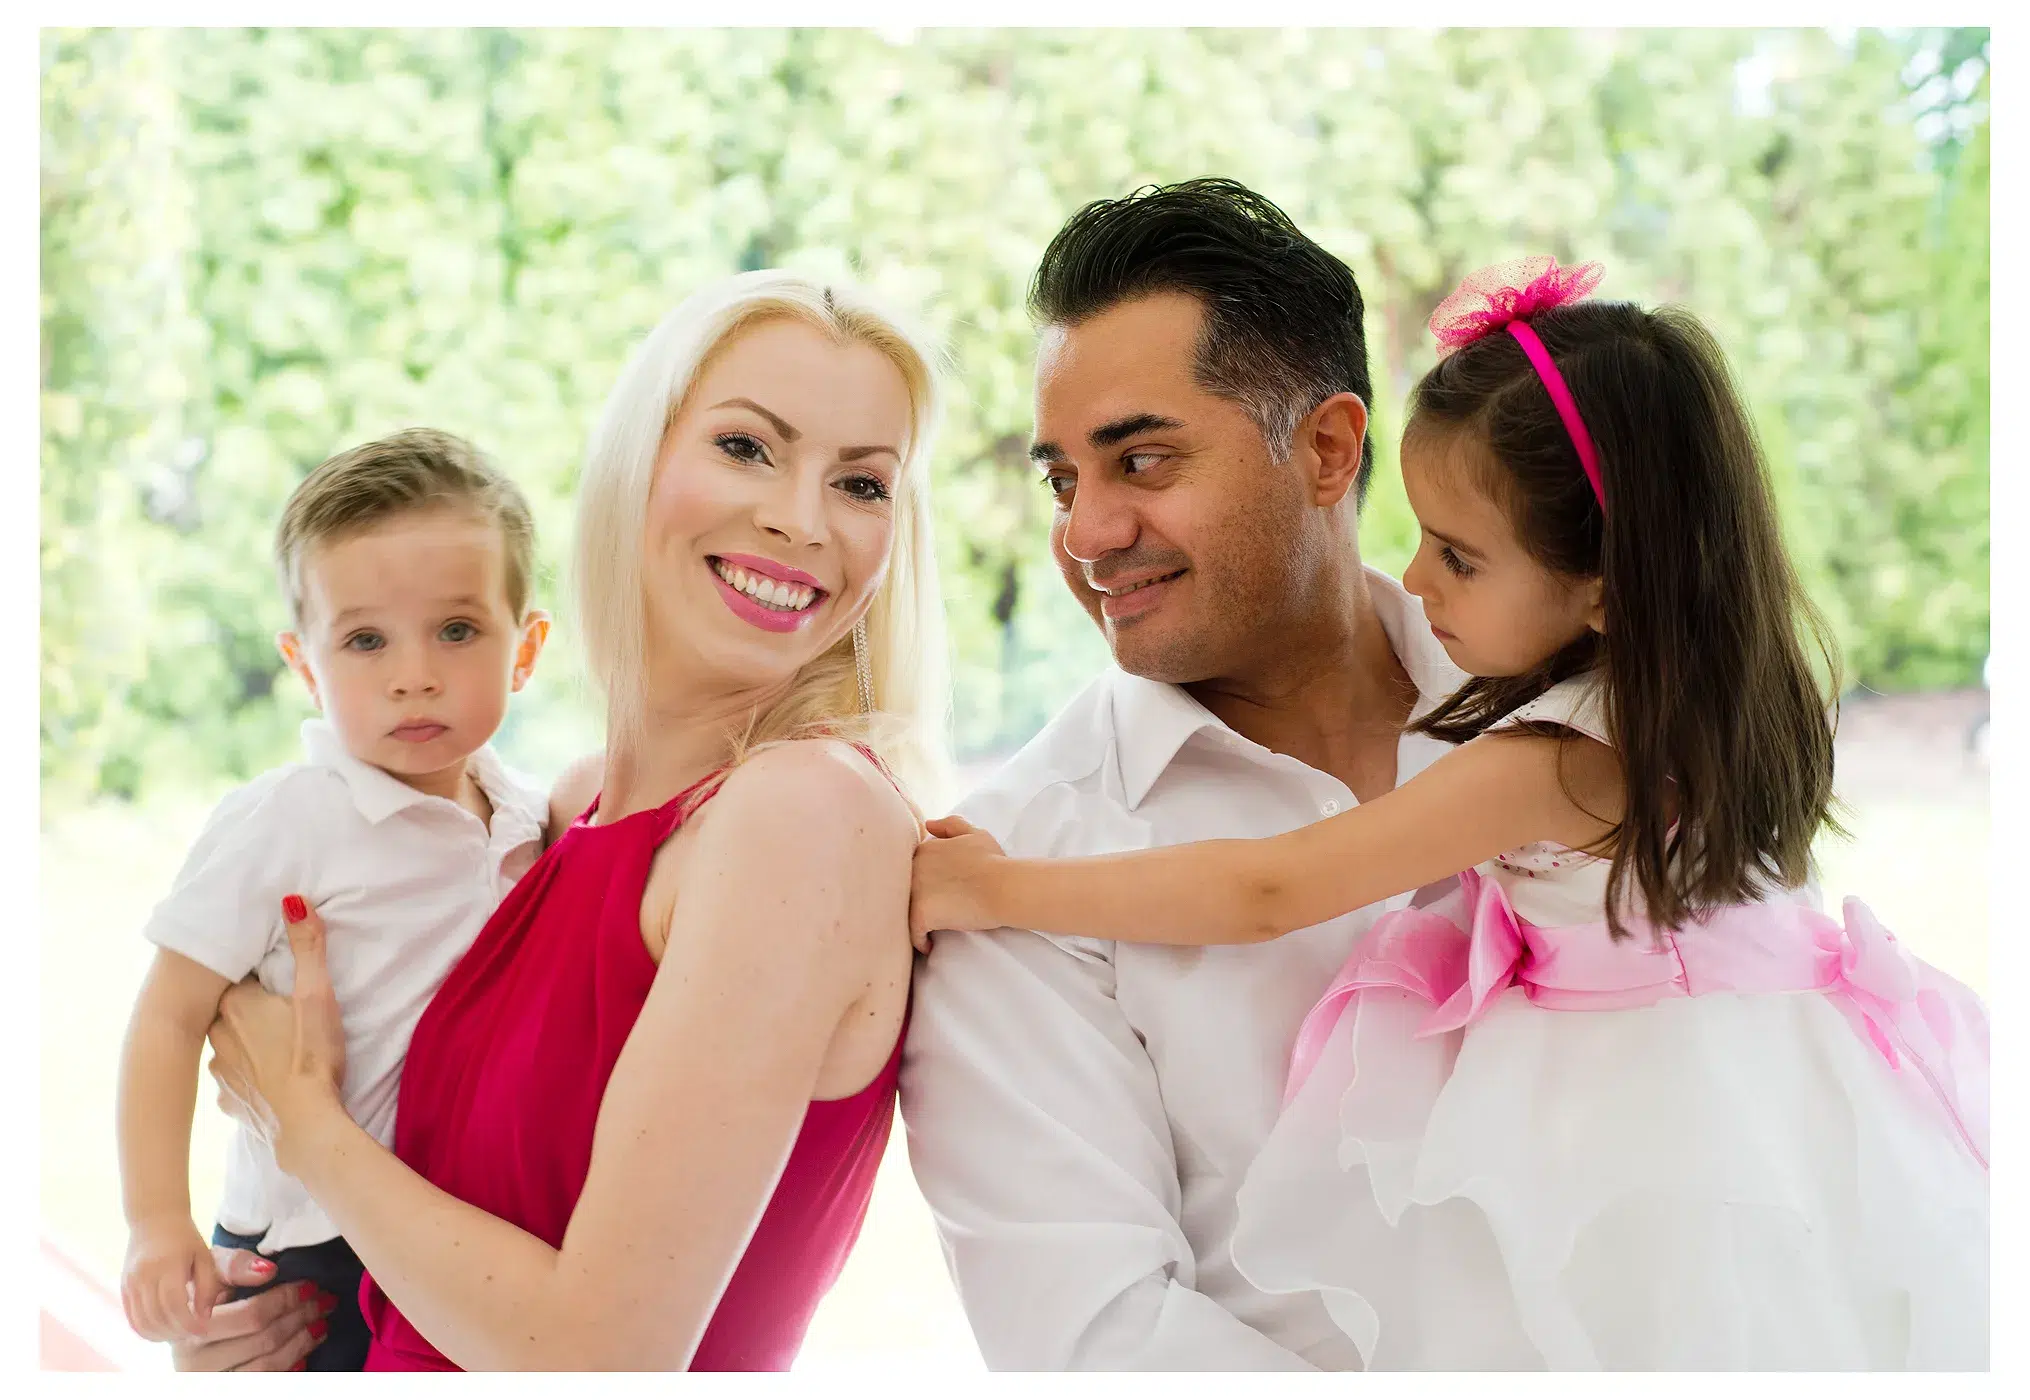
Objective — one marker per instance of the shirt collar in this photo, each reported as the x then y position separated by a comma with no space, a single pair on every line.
379,795
1153,720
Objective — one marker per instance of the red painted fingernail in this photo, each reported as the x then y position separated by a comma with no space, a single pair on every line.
319,1328
294,909
301,1365
307,1292
262,1266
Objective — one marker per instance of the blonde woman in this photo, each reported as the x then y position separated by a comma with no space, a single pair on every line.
639,1122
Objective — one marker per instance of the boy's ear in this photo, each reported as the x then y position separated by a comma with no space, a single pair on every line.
291,647
535,631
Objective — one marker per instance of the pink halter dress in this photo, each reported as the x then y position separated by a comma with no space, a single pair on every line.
1510,1142
509,1063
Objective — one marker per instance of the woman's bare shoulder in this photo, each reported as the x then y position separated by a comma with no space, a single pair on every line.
807,784
816,833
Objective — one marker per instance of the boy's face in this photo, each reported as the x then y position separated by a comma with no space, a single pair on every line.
408,643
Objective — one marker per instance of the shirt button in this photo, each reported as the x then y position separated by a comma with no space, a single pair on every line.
1329,808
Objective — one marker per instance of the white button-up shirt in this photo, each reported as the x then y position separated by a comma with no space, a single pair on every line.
1080,1113
404,882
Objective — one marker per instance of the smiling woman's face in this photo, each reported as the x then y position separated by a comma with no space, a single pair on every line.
773,507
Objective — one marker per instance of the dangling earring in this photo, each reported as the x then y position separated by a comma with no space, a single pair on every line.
862,668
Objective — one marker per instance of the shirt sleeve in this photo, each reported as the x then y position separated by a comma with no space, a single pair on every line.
1038,1136
224,910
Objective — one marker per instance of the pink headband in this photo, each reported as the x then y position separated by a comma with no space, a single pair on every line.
1504,297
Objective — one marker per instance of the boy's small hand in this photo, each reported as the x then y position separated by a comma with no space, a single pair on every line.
951,879
169,1282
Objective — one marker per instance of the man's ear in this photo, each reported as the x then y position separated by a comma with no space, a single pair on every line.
535,631
1328,442
291,647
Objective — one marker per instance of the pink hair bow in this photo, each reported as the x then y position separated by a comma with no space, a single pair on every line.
1492,298
1504,297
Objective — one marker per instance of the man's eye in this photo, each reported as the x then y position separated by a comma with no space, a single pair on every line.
365,641
1056,483
1141,461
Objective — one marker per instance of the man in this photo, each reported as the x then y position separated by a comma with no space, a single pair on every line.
1080,1113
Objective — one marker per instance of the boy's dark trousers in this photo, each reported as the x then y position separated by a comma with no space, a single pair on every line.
333,1267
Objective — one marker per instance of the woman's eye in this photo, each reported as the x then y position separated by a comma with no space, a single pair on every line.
457,632
365,641
865,488
740,447
1454,564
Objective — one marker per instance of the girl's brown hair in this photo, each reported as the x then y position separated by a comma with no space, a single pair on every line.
1722,728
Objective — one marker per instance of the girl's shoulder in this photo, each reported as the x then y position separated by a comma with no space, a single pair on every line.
1578,703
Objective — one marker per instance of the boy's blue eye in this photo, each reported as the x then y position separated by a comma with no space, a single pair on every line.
365,641
458,632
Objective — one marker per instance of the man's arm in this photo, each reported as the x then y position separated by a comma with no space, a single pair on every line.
1038,1137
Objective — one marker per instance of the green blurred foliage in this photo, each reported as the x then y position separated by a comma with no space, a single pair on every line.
260,246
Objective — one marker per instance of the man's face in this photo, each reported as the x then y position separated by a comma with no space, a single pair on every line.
1173,528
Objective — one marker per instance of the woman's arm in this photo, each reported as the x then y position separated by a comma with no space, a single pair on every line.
1487,797
703,1106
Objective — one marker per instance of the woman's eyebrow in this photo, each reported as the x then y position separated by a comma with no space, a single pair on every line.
789,434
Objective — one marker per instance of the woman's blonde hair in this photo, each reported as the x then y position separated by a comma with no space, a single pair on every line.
904,622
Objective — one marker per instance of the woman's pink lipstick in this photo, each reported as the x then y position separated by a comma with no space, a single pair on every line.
748,610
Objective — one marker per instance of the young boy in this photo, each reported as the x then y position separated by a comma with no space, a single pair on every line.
406,563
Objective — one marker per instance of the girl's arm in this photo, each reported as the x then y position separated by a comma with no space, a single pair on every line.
1489,796
702,1109
157,1098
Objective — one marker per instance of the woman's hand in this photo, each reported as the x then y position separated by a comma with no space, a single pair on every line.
278,1061
274,1330
951,882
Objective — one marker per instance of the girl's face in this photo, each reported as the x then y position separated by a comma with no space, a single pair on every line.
773,507
1494,607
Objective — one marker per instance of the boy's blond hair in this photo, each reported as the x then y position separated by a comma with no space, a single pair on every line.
416,469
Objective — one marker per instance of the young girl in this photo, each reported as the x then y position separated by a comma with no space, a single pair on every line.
1764,1143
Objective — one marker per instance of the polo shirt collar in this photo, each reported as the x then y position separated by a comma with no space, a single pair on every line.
379,795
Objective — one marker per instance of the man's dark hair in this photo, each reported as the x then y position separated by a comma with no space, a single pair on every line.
1282,316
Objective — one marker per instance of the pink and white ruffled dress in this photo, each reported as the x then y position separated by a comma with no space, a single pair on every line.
1513,1143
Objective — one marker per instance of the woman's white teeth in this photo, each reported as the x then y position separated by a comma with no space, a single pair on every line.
774,593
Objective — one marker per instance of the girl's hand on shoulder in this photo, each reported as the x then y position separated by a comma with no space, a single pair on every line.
952,881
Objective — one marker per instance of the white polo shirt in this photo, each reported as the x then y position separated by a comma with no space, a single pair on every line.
1080,1113
404,882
